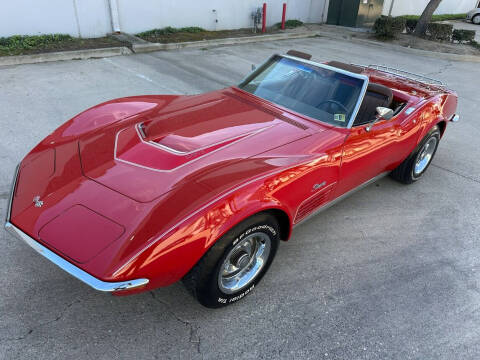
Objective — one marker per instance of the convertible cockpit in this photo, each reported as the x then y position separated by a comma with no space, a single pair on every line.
376,95
336,93
318,91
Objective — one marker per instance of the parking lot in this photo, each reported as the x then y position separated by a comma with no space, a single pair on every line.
393,272
465,25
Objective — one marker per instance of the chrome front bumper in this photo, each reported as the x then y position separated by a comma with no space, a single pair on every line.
73,270
455,118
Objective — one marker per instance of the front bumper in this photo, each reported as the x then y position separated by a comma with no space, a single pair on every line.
73,270
471,14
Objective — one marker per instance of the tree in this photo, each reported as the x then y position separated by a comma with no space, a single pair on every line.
426,17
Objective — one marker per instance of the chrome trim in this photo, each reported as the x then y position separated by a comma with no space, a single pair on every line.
73,270
425,156
142,136
410,110
405,74
455,118
12,191
158,146
256,69
341,197
344,72
318,186
244,262
140,128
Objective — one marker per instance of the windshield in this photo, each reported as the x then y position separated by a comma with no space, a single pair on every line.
322,94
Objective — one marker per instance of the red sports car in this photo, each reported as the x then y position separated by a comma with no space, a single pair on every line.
140,192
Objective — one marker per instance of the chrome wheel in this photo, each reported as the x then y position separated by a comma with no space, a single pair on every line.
476,19
425,156
244,262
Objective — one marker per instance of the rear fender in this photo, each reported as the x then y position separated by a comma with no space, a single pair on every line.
437,112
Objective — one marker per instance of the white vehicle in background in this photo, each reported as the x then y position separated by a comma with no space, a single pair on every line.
474,15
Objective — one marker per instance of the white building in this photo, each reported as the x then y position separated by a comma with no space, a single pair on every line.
94,18
407,7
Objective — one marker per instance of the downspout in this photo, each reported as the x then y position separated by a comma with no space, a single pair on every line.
391,8
324,10
114,15
75,11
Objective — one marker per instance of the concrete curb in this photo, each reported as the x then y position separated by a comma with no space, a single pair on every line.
141,48
403,49
64,55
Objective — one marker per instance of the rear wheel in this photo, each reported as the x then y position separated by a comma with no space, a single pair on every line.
236,263
476,19
415,165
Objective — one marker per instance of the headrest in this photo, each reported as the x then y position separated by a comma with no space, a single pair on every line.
299,54
382,90
344,66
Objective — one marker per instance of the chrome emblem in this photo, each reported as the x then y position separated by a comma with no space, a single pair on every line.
37,201
318,186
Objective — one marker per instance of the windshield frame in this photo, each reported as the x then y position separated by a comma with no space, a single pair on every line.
265,64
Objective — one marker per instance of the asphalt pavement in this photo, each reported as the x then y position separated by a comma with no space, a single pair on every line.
392,272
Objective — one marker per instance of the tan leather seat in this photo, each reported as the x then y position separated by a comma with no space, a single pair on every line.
376,95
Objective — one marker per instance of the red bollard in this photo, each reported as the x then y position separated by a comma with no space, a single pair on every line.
283,15
264,18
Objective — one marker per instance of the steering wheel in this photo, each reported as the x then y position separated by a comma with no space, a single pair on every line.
333,102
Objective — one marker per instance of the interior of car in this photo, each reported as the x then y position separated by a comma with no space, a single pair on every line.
321,93
376,95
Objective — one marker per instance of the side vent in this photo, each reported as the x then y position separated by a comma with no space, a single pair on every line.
310,205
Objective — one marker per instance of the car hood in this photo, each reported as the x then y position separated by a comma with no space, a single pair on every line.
158,151
102,194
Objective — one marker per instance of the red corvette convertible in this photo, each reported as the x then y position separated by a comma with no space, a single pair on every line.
140,192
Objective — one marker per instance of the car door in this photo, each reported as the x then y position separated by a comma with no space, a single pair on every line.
366,154
370,153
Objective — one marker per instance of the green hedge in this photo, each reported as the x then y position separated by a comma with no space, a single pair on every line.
171,30
387,27
31,42
441,17
290,24
475,44
463,35
439,32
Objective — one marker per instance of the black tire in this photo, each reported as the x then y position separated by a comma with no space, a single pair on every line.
203,279
405,172
477,17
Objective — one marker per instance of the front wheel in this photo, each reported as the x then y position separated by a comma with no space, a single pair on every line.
236,263
415,165
476,19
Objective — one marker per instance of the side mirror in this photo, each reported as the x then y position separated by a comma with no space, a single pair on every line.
382,113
